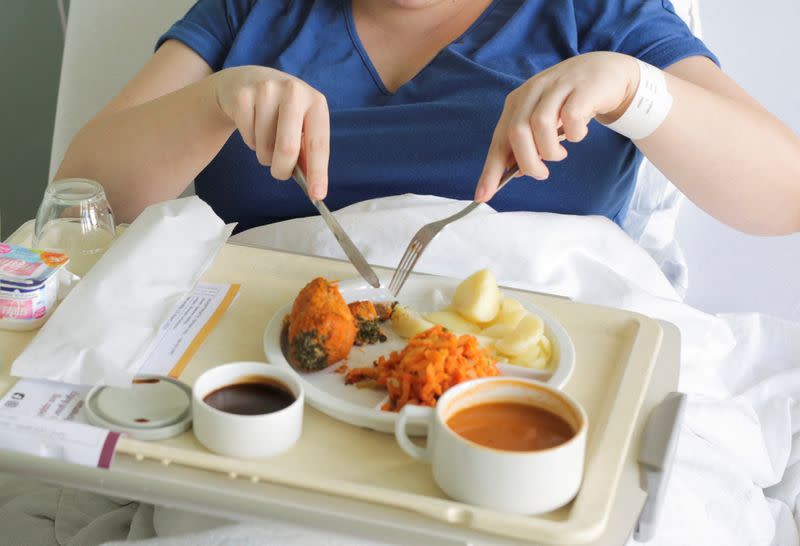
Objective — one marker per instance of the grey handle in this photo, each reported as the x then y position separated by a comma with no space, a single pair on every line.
509,175
656,456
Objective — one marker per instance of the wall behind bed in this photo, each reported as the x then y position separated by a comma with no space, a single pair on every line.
729,271
31,42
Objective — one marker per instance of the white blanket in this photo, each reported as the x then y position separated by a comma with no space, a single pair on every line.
736,479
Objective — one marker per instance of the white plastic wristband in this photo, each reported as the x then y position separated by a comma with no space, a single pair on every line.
649,107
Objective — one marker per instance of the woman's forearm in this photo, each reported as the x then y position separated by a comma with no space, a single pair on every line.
150,152
731,157
718,145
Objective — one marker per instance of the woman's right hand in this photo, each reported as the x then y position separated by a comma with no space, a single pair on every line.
278,116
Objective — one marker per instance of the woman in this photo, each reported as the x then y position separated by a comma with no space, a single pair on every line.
381,97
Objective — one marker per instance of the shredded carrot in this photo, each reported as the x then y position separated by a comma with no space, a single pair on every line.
341,369
432,362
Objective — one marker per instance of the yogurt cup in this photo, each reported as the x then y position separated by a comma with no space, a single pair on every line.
29,282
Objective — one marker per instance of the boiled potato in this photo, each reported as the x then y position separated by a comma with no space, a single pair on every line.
528,357
497,331
510,319
485,342
453,322
510,305
493,352
527,333
532,358
408,323
478,297
547,347
511,312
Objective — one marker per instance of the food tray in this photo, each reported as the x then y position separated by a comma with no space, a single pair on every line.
616,351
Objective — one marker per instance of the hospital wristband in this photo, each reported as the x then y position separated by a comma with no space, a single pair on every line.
649,107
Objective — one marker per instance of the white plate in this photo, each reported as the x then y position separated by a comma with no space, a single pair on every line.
325,390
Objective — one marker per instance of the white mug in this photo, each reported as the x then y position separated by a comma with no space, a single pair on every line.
523,482
246,436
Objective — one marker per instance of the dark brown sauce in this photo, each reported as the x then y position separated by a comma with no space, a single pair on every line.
252,395
148,381
511,426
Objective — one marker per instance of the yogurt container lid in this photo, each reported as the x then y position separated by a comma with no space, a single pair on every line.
153,408
25,267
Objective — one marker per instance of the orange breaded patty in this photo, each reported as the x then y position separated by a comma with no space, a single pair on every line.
321,327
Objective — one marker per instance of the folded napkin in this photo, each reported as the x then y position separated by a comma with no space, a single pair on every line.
101,332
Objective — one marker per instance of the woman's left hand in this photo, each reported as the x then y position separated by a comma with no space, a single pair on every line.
562,100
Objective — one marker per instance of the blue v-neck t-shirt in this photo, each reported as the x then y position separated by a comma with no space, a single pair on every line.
432,134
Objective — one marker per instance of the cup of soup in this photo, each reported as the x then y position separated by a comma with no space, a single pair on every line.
247,409
510,444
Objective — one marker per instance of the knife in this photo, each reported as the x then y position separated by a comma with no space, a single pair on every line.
355,256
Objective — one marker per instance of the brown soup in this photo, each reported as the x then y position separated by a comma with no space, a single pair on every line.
511,426
253,395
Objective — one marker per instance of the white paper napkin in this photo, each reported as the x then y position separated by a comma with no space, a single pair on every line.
100,333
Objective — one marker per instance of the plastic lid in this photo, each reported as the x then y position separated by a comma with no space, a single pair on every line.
153,408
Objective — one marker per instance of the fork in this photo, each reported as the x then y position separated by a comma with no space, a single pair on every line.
428,232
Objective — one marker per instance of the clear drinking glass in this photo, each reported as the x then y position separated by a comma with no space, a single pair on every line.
75,218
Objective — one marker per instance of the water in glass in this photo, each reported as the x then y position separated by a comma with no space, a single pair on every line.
75,218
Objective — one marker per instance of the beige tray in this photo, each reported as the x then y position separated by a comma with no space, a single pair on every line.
616,352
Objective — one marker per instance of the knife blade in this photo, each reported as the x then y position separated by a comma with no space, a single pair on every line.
350,249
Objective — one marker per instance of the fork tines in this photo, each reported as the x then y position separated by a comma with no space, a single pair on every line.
406,265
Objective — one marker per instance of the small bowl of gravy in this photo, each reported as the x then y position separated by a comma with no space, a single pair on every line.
510,444
247,410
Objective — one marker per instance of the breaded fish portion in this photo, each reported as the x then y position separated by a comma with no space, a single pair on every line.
321,328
